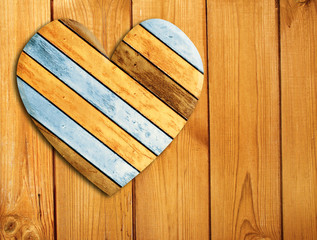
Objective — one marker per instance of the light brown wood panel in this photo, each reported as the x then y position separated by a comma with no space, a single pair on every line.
172,195
299,118
244,119
26,172
83,211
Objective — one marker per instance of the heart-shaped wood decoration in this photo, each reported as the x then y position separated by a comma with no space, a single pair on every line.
110,118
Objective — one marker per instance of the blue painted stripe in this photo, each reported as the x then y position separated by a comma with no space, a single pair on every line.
75,136
97,94
176,39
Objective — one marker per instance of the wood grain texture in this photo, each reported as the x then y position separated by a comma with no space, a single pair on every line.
155,80
26,171
299,118
172,195
83,211
244,119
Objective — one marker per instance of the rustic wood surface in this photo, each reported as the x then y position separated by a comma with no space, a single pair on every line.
244,119
244,167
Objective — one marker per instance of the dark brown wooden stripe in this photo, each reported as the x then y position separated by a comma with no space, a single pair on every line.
154,80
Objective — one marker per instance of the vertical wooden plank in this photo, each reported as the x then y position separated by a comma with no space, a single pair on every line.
26,172
299,118
172,196
244,119
82,210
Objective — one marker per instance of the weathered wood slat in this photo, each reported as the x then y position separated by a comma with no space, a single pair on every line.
131,91
157,52
153,79
26,171
299,118
78,109
244,119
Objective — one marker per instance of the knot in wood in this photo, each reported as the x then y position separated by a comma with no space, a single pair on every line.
10,224
30,235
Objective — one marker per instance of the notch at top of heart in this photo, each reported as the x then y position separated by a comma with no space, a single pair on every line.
110,118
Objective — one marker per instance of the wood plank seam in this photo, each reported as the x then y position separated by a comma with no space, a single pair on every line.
278,6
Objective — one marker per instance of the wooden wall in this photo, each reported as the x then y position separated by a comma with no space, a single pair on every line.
245,165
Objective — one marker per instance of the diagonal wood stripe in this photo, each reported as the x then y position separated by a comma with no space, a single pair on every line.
75,136
157,52
99,95
78,162
79,109
154,80
113,77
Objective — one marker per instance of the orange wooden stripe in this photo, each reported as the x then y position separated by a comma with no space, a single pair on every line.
84,33
113,77
84,113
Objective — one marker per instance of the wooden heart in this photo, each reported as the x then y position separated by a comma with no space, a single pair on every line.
110,119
